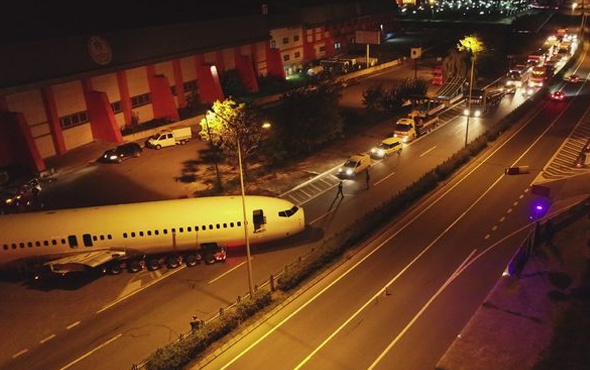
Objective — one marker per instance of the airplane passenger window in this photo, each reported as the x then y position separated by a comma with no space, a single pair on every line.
102,237
157,232
188,229
180,229
173,230
29,244
94,237
210,227
204,227
239,223
45,243
231,224
109,237
53,242
13,245
22,245
218,226
225,226
149,232
38,244
133,234
5,246
141,233
124,235
165,231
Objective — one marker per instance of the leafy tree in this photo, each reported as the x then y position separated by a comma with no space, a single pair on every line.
455,64
227,121
373,97
309,117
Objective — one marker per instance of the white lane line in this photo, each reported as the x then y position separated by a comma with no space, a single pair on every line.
383,179
229,271
170,273
428,151
47,339
494,228
424,308
502,219
20,353
514,204
73,325
509,210
92,351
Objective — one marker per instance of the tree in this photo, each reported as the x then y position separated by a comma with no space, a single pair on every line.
455,64
373,97
309,117
227,121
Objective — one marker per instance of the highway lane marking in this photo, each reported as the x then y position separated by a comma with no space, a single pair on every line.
92,351
455,273
73,325
117,301
383,179
509,210
494,228
229,271
403,227
20,353
428,151
436,239
502,218
47,339
514,204
487,236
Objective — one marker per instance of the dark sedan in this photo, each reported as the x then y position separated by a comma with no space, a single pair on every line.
122,152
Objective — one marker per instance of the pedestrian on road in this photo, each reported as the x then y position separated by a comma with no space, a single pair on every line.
340,190
367,177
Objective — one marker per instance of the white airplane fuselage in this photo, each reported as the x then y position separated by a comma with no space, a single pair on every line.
147,228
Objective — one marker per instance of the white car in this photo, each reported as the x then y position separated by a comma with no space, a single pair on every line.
354,165
386,147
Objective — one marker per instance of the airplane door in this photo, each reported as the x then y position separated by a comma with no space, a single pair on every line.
73,241
259,220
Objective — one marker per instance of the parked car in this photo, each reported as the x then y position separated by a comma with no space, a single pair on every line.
122,152
387,147
354,165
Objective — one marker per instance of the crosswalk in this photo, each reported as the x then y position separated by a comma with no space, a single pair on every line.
565,161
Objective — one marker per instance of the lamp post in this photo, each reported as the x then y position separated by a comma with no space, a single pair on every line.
265,125
472,45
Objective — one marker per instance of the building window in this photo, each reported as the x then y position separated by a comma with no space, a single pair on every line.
116,107
173,90
141,100
285,40
297,54
73,120
296,38
322,49
286,57
190,85
273,44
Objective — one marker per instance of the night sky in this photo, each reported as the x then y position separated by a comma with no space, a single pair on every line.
22,20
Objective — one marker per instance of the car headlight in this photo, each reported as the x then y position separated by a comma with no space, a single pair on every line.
349,172
113,157
374,151
466,112
381,152
477,113
340,170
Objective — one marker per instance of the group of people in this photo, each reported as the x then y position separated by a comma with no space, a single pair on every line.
341,185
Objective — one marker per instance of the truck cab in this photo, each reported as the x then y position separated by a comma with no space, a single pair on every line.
405,129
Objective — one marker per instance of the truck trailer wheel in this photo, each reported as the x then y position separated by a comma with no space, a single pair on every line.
191,260
172,262
134,266
153,264
114,269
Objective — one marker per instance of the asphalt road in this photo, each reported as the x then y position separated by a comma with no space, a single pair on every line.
401,302
81,328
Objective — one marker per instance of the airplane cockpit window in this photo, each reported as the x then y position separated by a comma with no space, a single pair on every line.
289,212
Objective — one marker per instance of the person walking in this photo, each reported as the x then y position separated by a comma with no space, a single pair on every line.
367,177
196,323
340,190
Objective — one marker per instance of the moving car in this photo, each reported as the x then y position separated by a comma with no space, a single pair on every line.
387,147
354,165
572,78
122,152
557,95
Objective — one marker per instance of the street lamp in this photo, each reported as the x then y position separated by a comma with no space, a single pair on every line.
265,125
574,6
472,45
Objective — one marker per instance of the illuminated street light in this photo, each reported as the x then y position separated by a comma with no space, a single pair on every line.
574,6
265,125
472,45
